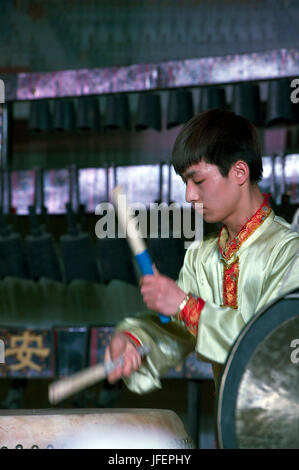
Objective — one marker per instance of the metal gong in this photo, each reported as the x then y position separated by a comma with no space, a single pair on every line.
258,396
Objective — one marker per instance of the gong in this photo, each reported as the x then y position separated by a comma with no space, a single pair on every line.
258,396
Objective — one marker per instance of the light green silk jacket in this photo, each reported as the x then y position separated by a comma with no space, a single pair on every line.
268,267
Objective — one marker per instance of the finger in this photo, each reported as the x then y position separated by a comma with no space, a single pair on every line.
132,363
128,368
145,290
149,283
148,300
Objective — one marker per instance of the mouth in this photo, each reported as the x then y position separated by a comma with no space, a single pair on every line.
198,207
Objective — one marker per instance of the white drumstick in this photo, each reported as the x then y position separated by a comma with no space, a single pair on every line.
125,218
67,386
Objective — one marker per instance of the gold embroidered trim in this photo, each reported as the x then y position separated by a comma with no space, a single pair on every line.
251,225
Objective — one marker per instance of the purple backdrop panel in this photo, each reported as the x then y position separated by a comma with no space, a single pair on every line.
99,340
71,349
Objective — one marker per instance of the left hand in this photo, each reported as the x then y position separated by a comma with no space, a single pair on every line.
161,293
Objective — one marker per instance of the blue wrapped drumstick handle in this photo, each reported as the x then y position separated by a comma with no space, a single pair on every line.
145,264
134,237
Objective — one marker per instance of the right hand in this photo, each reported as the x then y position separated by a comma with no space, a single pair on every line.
120,345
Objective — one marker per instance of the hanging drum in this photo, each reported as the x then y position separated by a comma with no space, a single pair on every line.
258,404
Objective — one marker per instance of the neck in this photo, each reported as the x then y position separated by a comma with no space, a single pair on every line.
249,202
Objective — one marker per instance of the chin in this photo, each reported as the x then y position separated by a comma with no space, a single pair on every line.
209,218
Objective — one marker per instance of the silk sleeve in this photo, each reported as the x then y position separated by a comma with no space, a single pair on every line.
284,275
169,344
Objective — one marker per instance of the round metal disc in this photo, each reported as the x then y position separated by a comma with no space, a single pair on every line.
258,396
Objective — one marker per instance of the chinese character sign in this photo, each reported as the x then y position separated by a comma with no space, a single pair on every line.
27,353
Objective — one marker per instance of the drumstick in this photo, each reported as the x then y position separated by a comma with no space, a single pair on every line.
67,386
134,237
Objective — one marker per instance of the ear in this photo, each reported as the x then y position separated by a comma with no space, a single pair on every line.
240,172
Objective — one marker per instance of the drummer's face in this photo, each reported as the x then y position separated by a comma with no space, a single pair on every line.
217,194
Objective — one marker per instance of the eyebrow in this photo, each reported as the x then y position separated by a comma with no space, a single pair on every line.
190,173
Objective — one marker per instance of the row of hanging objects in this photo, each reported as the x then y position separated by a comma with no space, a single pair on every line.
77,251
115,257
117,263
76,256
37,256
168,253
281,110
116,260
12,253
76,246
42,257
84,113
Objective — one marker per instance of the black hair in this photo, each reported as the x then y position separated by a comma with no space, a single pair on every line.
221,138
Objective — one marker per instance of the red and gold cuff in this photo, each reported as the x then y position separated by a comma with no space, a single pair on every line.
133,338
190,313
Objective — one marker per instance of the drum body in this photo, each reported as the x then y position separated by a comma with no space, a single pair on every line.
93,429
258,401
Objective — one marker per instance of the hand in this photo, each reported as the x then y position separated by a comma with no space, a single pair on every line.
121,345
161,293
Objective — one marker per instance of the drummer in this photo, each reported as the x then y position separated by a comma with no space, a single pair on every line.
225,279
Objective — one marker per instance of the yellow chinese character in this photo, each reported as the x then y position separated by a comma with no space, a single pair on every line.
24,352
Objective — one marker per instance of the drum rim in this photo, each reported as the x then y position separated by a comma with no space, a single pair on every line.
40,412
225,384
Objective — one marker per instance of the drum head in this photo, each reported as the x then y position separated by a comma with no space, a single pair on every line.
258,396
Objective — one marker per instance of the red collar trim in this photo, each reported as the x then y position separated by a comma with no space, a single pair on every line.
227,250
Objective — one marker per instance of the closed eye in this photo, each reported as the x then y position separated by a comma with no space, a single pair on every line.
195,182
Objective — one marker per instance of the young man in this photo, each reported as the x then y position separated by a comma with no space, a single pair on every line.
225,279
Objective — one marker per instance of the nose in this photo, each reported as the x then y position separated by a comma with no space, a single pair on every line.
191,192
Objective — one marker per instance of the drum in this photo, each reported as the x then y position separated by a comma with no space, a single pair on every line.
257,401
93,429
